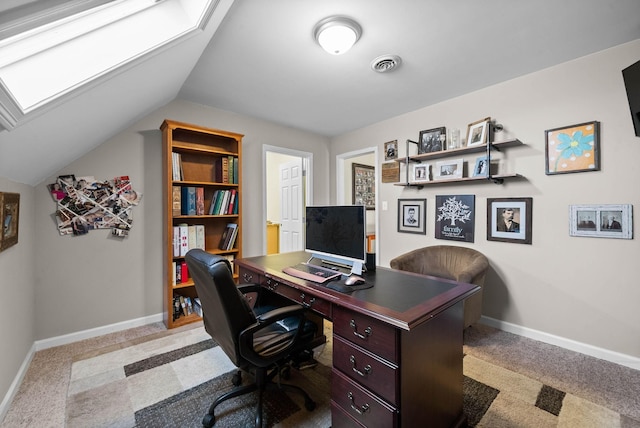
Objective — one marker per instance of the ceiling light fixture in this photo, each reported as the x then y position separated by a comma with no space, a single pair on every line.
336,34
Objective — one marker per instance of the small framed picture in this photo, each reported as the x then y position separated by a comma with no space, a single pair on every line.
9,219
574,148
455,217
509,220
446,170
601,221
420,172
481,169
391,150
412,216
477,132
432,140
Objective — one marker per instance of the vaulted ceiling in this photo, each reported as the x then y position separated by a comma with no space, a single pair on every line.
258,58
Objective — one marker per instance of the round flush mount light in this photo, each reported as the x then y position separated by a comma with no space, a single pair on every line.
337,34
386,63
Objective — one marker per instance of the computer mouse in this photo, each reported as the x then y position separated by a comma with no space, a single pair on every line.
354,280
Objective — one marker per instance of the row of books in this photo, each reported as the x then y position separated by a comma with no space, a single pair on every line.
183,306
228,238
186,237
225,169
224,202
187,200
181,270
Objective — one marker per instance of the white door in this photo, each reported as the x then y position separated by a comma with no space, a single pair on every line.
291,206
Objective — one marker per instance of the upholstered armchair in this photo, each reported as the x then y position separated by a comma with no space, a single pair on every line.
450,262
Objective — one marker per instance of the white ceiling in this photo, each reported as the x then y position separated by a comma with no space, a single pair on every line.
263,62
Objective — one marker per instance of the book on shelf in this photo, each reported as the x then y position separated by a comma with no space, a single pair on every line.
192,237
199,200
178,270
188,200
184,238
200,236
177,200
176,163
230,167
176,241
174,265
197,306
230,258
232,201
235,170
227,236
184,271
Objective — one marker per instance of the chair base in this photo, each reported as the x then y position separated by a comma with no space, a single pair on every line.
263,381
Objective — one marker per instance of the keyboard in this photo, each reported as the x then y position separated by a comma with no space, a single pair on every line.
312,273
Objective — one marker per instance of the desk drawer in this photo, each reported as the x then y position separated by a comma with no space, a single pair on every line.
371,334
366,369
358,403
316,304
249,277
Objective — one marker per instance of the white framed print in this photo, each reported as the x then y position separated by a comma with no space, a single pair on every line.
420,172
477,132
449,169
601,221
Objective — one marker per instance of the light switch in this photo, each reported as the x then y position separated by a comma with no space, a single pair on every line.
385,206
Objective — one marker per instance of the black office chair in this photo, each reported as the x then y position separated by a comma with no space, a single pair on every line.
262,340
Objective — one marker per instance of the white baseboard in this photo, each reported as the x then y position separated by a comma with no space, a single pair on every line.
15,385
583,348
94,332
39,345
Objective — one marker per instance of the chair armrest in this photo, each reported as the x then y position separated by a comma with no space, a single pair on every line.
246,336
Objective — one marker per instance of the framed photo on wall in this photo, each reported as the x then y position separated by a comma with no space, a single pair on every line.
391,150
509,220
455,217
601,221
574,148
9,218
477,132
412,216
432,140
363,185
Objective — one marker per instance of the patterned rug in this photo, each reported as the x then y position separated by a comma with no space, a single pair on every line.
171,381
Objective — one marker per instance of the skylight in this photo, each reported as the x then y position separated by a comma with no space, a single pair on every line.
43,64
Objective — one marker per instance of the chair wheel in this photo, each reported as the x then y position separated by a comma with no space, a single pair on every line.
208,421
236,380
310,405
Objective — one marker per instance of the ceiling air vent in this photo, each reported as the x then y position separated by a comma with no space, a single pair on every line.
386,63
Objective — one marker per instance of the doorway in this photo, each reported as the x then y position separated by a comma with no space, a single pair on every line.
287,190
344,186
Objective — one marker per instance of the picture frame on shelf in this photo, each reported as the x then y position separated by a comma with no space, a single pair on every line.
574,148
412,216
482,166
9,219
601,221
510,220
449,169
391,150
477,132
363,185
420,172
432,140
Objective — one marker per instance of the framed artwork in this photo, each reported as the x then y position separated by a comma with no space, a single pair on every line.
448,169
432,140
412,216
509,220
363,185
9,218
455,217
481,168
574,148
601,221
420,172
391,150
477,132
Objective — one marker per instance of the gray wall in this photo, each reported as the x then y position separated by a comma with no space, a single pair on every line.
582,289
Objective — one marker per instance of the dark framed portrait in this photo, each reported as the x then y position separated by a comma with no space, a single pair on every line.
9,219
391,150
412,215
432,140
509,220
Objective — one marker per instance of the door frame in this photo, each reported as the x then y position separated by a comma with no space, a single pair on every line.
340,194
307,166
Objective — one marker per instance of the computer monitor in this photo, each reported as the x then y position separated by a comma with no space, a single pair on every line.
337,235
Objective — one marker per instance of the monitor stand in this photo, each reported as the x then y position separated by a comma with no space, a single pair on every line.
355,268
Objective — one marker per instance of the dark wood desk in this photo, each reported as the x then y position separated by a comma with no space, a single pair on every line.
397,347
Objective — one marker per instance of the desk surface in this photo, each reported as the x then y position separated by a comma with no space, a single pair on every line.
402,299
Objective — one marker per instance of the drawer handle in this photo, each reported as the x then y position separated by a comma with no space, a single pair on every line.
271,285
247,277
363,409
367,331
365,372
305,304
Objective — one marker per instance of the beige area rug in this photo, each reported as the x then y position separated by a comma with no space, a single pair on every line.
171,381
